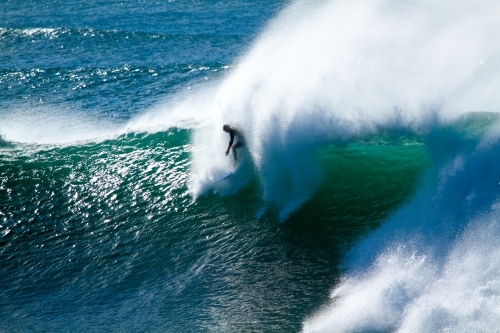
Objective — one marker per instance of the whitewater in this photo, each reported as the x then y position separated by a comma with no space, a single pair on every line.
320,77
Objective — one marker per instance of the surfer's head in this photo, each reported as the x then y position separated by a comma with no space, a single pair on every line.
226,128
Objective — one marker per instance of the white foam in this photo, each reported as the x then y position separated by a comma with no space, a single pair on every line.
31,32
49,124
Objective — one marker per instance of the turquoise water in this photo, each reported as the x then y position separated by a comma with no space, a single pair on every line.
366,192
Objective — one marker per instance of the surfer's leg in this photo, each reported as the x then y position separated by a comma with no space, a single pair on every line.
236,146
234,153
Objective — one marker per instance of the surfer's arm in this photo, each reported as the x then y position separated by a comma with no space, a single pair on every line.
230,144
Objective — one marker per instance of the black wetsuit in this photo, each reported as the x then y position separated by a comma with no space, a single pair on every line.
241,140
240,143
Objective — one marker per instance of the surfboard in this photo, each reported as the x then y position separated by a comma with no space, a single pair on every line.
225,174
222,178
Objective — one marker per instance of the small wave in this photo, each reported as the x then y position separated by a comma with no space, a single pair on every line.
53,33
31,32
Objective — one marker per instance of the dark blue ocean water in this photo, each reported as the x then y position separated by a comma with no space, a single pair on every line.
368,188
116,58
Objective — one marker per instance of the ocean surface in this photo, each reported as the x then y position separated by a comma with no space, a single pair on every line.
367,197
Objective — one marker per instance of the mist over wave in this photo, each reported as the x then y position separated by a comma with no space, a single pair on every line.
339,71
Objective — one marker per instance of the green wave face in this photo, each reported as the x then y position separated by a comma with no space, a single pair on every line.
145,176
135,175
361,185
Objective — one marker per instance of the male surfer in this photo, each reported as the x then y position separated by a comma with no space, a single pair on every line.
232,133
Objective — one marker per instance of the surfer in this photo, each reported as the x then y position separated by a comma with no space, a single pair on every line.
232,133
